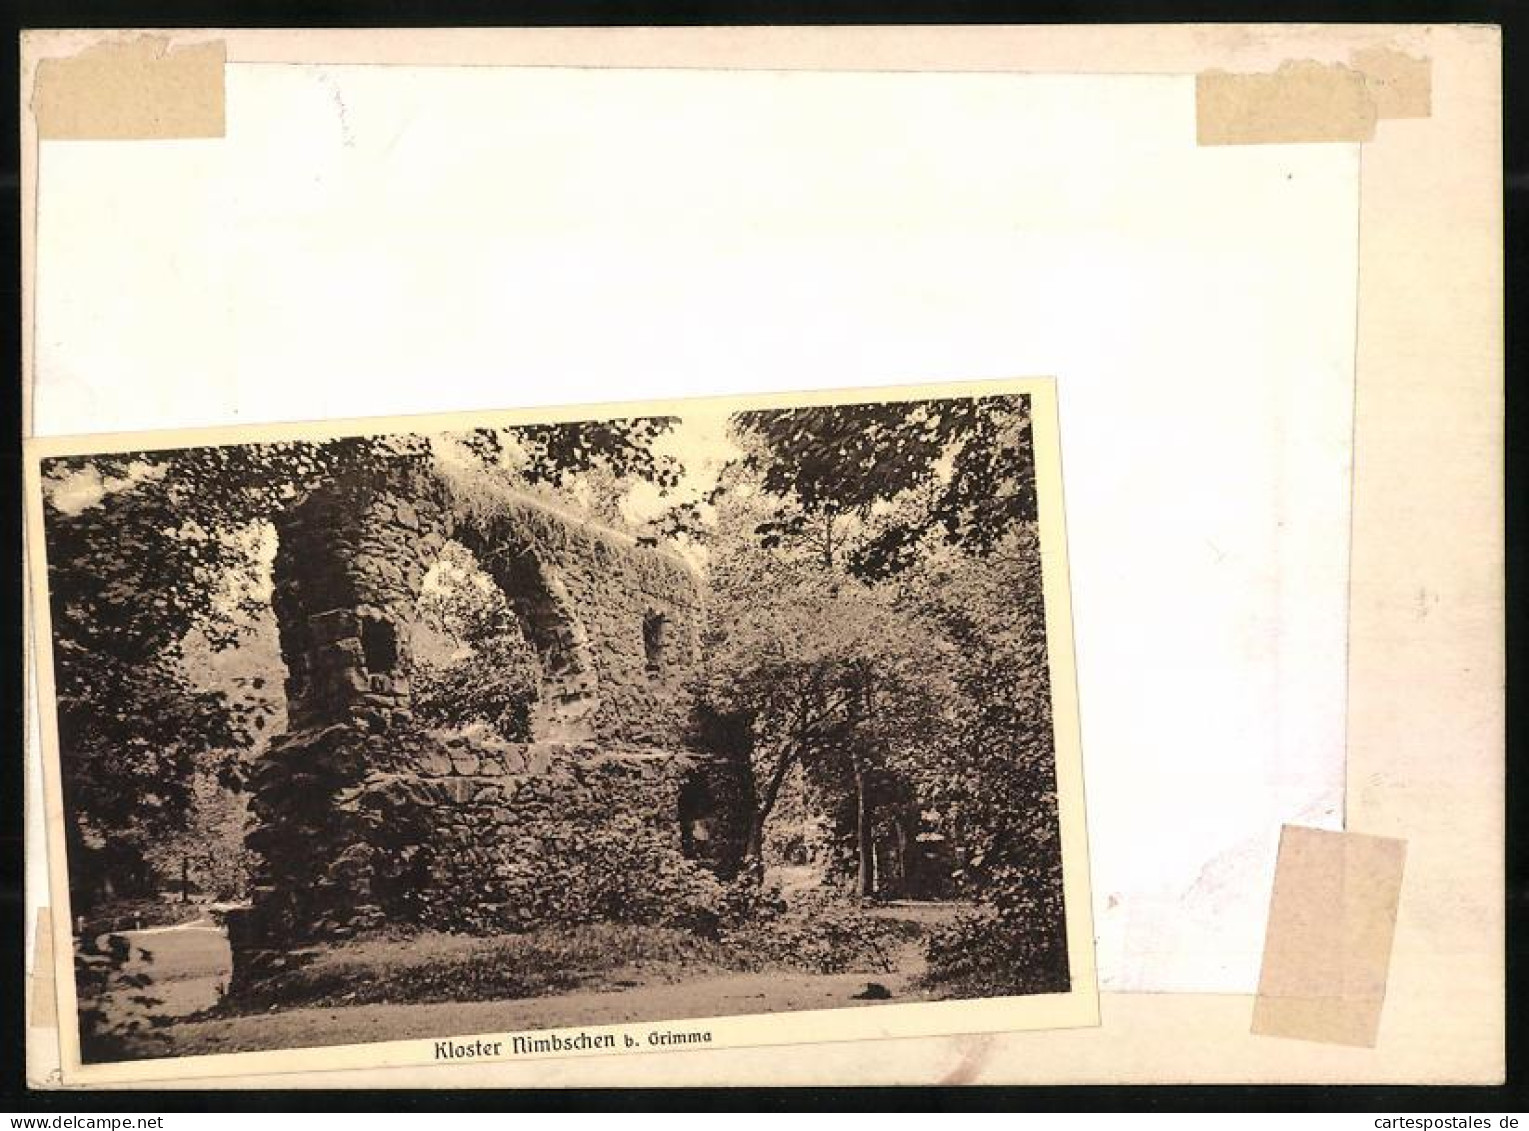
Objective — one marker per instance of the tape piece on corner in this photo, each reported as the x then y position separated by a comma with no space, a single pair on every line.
133,89
44,1003
1304,101
1400,85
1328,947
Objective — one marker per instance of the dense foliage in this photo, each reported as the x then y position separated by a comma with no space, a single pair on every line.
962,470
819,933
990,788
208,853
877,574
148,548
875,660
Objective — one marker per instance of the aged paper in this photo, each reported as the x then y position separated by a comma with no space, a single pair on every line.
841,227
1427,543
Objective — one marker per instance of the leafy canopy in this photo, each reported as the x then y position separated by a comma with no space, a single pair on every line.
958,470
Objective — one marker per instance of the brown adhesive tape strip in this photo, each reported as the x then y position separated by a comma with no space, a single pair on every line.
1304,101
1300,102
44,1004
1400,85
1328,947
132,89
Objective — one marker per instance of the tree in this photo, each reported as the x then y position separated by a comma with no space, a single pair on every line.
993,778
133,737
959,470
209,853
810,673
856,494
924,512
817,669
990,783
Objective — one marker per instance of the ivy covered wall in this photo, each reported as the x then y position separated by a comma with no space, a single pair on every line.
365,817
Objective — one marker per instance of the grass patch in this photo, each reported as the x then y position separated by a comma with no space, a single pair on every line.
396,967
434,967
820,934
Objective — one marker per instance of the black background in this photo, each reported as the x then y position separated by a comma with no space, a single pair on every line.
1513,15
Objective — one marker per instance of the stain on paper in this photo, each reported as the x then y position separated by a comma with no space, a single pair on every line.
975,1051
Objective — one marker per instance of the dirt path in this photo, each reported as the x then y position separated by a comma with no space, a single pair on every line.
191,965
188,965
709,996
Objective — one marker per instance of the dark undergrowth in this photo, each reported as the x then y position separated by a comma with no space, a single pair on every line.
396,967
431,966
137,914
987,953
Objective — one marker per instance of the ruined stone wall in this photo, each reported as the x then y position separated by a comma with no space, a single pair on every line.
349,564
365,818
478,835
615,625
466,832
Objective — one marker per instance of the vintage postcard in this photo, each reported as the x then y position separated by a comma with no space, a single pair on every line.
821,229
595,731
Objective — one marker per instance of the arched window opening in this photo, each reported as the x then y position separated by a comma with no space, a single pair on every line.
696,814
653,643
379,646
472,665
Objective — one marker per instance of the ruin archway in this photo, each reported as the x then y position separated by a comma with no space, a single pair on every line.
550,623
515,608
473,666
365,816
350,562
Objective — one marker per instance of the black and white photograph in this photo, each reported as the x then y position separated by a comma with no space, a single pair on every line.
737,708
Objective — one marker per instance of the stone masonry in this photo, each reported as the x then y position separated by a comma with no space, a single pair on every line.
364,818
614,625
